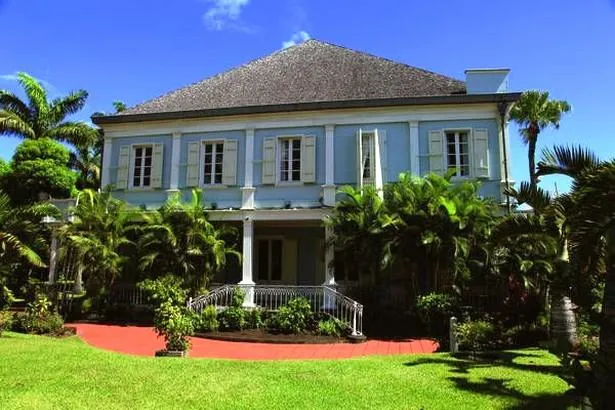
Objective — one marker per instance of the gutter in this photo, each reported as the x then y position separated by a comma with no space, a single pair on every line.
309,106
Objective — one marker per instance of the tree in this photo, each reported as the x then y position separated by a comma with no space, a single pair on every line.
40,118
178,239
534,112
86,160
39,167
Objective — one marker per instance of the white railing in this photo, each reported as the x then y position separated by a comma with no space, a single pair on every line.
323,299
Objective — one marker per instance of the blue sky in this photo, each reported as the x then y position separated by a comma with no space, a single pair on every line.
133,50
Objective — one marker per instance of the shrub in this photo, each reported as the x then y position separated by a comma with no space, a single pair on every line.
175,324
233,318
166,288
330,327
475,334
292,318
254,318
239,296
207,320
435,309
6,320
39,318
6,297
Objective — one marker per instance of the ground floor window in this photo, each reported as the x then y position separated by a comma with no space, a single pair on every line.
269,259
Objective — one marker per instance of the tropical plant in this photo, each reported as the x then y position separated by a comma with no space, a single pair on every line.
40,318
39,118
207,320
175,324
98,237
168,288
86,160
6,320
179,239
435,310
475,335
294,317
330,327
534,112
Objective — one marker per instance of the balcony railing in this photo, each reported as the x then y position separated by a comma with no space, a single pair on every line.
323,299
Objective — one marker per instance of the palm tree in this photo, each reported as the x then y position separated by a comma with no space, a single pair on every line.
87,160
40,118
534,112
179,239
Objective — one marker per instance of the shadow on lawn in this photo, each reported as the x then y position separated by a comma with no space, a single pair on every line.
498,386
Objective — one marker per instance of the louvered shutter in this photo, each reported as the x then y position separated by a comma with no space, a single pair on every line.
229,163
157,165
480,149
268,170
192,166
122,167
308,159
436,157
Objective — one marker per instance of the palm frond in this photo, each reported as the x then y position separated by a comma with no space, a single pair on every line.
10,102
13,125
37,95
75,133
536,197
62,107
567,160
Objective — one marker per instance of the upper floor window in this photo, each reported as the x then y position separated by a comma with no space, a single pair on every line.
213,156
290,159
142,166
458,153
368,147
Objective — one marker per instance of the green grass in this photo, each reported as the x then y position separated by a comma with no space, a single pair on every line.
44,373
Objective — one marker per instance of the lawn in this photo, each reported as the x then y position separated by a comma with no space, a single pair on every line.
39,372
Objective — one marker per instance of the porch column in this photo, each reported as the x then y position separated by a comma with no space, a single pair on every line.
175,154
329,186
53,255
246,274
329,253
415,166
248,190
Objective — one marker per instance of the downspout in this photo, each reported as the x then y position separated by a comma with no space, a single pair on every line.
502,109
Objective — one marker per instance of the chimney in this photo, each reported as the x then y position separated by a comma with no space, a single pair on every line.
487,80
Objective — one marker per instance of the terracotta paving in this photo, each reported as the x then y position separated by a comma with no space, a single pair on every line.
142,341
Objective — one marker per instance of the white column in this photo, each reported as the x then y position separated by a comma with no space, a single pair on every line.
105,178
329,254
246,273
175,157
415,165
329,186
247,192
53,255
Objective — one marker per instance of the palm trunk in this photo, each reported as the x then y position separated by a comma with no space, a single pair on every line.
604,368
531,153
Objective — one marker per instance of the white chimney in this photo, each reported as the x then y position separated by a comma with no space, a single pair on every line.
487,80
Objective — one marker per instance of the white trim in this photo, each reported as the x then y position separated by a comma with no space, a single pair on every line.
329,255
457,152
415,163
370,136
131,168
329,154
315,214
247,197
452,112
106,165
212,184
247,251
487,70
175,155
249,161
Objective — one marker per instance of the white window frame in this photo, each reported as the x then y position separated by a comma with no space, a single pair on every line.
269,239
457,131
131,171
202,164
278,161
371,139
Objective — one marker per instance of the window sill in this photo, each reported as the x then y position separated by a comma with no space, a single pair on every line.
141,189
214,186
289,184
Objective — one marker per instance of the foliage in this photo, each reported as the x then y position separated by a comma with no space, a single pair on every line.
39,118
294,317
435,310
475,335
40,318
238,297
254,318
168,288
330,327
179,239
175,324
534,112
6,320
6,297
232,318
39,167
86,160
588,334
207,320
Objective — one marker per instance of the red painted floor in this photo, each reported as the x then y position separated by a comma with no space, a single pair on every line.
142,341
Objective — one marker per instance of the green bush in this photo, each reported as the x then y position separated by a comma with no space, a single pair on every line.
166,288
475,335
330,327
233,318
588,334
207,320
39,318
435,310
175,324
292,318
6,297
239,296
254,318
6,320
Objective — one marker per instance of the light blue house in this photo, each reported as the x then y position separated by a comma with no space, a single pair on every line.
270,142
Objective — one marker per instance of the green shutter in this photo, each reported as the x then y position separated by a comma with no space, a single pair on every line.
192,167
436,156
229,163
480,149
122,167
308,159
268,169
157,163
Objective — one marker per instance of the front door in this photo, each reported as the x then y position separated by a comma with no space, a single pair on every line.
276,260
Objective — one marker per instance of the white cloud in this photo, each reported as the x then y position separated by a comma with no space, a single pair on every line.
8,77
13,77
296,38
225,14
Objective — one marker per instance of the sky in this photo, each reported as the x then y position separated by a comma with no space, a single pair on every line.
134,50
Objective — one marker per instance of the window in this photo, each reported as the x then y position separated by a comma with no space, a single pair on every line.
290,159
142,166
212,163
367,163
458,153
269,259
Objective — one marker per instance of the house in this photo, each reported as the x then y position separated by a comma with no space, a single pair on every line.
271,141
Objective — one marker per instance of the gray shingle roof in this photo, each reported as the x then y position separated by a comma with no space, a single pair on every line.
311,72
